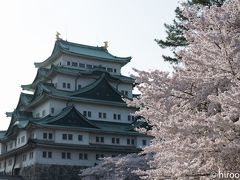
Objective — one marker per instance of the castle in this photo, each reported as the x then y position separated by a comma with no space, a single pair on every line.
73,114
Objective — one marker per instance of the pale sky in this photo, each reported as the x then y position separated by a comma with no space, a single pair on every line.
28,29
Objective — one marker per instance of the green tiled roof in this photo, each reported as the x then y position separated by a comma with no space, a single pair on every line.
24,100
99,91
84,51
2,134
69,118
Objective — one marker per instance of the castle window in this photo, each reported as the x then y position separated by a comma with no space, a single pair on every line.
50,136
80,137
132,141
126,93
109,69
89,66
114,116
68,155
81,65
52,110
100,139
64,85
79,86
70,137
129,117
63,155
83,156
44,135
64,136
22,139
119,117
9,162
43,113
97,139
68,63
49,154
44,154
80,156
100,115
115,70
104,115
144,142
115,140
24,157
31,155
75,64
68,85
89,114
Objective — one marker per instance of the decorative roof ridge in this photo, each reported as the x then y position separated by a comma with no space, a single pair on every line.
80,45
63,46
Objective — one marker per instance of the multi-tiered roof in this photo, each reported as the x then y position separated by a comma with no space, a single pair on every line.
98,92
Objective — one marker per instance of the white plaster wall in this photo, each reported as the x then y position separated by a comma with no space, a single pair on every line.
58,137
57,157
108,139
43,106
13,142
1,148
94,108
93,62
110,110
58,105
9,167
139,141
60,79
21,134
85,81
2,166
56,62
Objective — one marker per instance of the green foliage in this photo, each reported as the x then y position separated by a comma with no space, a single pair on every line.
175,38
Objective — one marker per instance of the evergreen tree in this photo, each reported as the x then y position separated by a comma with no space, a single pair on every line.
175,38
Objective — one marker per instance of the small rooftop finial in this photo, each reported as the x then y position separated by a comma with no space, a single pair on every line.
58,36
105,44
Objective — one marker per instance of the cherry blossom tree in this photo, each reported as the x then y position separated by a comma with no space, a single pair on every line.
195,111
117,168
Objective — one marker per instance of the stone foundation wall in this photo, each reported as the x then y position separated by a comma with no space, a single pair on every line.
51,172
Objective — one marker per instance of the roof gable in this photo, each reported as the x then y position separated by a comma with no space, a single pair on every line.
101,90
70,116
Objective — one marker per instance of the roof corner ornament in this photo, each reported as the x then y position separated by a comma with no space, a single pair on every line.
58,36
105,46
